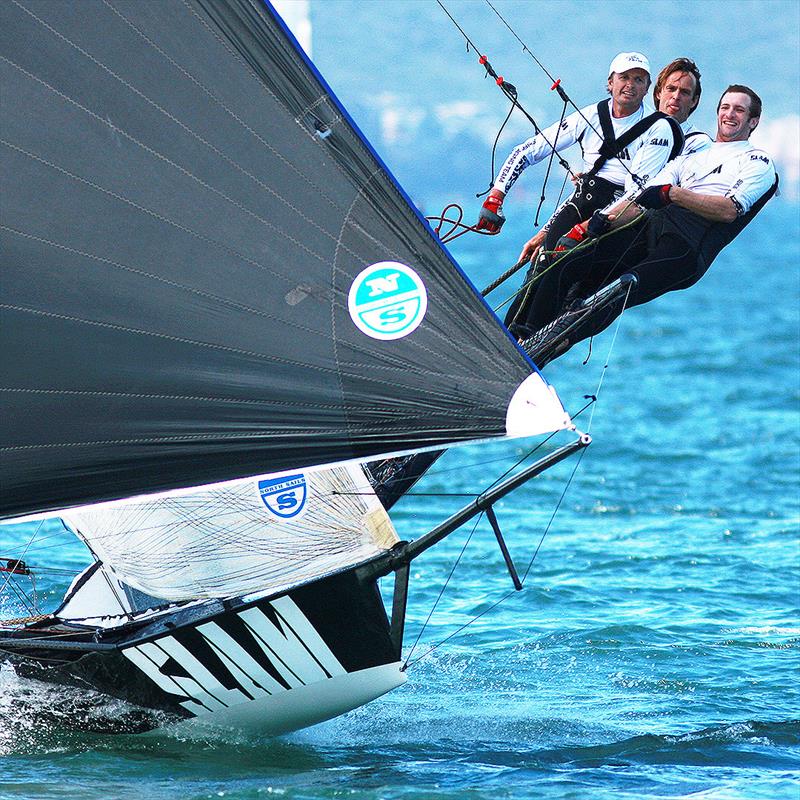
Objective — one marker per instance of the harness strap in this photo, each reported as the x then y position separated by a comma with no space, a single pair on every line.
678,139
612,146
609,138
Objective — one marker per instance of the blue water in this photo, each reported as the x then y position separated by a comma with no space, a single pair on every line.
654,650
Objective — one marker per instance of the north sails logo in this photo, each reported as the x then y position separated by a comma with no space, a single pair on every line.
387,300
284,497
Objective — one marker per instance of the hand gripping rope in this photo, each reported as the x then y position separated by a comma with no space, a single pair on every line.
510,91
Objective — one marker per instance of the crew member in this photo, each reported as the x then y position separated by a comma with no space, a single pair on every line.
682,219
677,93
622,147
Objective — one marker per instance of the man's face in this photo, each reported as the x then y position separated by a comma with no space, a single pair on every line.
677,95
628,89
734,123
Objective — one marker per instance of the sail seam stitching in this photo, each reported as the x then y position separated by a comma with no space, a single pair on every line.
222,105
184,171
182,125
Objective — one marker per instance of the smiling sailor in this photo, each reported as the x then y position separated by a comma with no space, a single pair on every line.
622,146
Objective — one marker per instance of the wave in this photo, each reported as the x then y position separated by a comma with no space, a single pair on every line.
36,716
707,745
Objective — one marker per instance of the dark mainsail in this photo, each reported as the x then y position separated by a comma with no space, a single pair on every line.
189,221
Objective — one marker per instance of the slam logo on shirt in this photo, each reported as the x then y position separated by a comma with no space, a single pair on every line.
284,497
387,300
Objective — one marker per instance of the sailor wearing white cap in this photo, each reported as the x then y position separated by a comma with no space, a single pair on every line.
622,146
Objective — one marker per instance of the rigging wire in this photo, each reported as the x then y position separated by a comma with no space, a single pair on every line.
508,89
592,403
8,582
494,152
505,597
559,88
22,556
608,357
442,590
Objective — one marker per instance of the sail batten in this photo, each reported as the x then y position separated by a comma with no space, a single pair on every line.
208,274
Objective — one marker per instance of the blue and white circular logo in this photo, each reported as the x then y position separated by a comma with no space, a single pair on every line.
387,300
284,497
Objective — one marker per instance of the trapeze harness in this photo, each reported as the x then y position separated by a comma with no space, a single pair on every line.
592,194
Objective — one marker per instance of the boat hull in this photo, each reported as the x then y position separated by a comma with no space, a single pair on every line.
299,707
270,665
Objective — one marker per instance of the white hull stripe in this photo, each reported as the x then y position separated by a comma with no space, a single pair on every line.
296,654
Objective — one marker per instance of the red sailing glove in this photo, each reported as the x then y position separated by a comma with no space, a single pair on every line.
572,239
491,216
654,197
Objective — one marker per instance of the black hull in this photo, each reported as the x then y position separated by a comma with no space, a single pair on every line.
199,660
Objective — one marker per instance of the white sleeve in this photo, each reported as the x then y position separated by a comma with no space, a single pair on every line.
695,142
533,150
667,174
756,177
652,155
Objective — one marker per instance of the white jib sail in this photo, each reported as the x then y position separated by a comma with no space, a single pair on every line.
535,408
262,534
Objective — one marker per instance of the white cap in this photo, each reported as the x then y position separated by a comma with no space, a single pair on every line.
626,61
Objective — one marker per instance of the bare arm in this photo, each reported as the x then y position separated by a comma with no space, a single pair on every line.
532,247
711,207
624,212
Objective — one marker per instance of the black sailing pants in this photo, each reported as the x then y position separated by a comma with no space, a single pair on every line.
592,194
662,261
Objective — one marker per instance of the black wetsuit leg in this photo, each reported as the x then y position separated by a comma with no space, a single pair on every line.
584,271
560,225
672,265
593,193
668,264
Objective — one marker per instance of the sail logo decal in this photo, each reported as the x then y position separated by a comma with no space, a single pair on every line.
387,300
284,497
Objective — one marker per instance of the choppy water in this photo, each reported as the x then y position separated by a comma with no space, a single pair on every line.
654,651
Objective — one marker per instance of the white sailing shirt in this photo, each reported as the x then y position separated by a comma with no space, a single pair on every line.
726,169
694,140
643,157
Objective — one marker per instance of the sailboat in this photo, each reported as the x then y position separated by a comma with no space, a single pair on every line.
222,319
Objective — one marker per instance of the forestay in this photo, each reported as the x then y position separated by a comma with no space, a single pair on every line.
208,273
266,535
